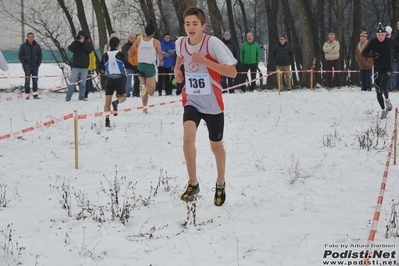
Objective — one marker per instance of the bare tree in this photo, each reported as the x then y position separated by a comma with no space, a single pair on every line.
102,33
107,18
244,15
44,20
272,7
310,46
357,20
215,17
82,17
68,16
232,27
180,7
165,22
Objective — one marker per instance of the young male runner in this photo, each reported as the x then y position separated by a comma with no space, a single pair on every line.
205,59
113,63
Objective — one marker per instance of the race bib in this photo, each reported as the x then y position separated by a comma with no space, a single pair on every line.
198,84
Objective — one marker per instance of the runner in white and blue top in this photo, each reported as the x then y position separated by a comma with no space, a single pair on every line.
113,64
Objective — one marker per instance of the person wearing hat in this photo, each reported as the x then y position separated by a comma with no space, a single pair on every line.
380,49
283,56
226,81
331,53
365,64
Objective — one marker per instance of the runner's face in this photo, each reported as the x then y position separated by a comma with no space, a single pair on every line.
381,36
193,28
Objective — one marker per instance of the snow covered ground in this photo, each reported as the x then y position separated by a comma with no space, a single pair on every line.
299,185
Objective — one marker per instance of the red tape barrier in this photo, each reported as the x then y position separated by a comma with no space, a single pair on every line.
380,199
82,116
24,77
39,92
45,124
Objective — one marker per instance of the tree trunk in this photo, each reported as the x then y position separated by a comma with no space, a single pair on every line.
180,7
106,17
393,13
339,36
244,15
357,23
216,18
320,18
232,26
68,17
147,8
102,33
82,17
272,11
309,34
164,19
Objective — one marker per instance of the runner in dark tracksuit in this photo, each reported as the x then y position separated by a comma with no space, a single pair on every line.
381,49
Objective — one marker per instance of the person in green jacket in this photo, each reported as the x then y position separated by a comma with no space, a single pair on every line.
250,56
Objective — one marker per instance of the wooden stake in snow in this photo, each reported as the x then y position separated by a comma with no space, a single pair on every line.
396,136
75,128
279,81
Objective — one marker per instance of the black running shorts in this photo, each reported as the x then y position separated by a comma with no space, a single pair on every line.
118,85
214,123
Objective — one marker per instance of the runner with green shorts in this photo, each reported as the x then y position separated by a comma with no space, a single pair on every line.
149,51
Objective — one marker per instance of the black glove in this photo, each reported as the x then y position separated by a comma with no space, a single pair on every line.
375,55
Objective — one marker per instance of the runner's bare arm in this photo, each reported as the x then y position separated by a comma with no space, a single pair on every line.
159,51
178,73
225,70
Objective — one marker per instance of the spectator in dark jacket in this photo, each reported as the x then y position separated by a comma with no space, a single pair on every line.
282,54
164,77
81,50
226,81
30,55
